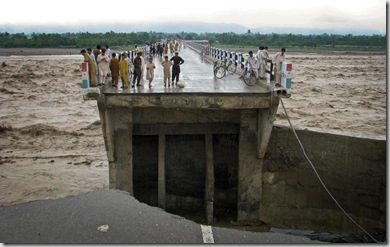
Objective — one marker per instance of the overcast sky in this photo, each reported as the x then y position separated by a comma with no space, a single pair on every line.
322,14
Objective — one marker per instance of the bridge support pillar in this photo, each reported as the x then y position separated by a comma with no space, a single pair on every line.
117,127
249,168
209,186
255,127
161,171
266,118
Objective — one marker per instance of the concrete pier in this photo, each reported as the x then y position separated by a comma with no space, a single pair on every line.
177,148
161,171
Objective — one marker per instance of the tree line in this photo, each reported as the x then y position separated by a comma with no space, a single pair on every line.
113,39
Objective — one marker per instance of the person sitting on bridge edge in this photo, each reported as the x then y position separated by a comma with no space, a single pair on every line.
177,61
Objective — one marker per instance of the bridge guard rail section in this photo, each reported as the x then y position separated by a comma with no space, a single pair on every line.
219,54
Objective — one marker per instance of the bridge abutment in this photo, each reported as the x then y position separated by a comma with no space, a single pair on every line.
192,151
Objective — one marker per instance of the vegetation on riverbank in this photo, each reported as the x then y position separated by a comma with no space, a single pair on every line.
322,42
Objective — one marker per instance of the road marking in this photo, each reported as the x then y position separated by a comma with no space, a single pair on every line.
207,234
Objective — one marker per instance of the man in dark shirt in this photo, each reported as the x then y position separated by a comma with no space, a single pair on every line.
177,61
137,69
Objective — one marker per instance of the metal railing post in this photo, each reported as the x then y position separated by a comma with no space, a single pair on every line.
241,61
271,76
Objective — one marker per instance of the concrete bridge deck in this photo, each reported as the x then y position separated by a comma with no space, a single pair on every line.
197,75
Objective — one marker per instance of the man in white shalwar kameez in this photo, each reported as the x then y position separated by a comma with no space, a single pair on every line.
259,57
108,53
263,65
103,63
278,60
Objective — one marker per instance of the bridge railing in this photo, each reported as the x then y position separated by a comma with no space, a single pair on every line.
198,46
217,53
220,54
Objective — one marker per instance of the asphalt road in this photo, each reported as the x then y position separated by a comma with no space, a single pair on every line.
75,220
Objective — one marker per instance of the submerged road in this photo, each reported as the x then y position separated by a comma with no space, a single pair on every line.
198,77
76,219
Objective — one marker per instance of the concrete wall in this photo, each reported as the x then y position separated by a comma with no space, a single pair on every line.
353,169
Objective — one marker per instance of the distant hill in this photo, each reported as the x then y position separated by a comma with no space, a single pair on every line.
176,28
307,31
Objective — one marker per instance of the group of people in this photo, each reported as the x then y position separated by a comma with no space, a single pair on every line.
98,64
258,63
102,63
162,49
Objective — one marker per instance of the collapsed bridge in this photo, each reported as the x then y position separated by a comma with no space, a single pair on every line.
200,147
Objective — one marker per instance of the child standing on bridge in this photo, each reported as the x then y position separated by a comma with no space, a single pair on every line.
150,71
167,72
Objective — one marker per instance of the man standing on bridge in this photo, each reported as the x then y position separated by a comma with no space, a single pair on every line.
177,61
137,70
91,67
279,58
